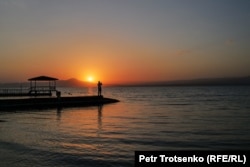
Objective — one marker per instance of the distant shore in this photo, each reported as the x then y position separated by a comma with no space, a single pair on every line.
234,81
192,82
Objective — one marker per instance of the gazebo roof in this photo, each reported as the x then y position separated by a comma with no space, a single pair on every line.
42,78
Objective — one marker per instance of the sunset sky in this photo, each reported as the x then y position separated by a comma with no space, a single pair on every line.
123,41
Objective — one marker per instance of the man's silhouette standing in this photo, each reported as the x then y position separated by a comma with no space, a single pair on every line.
99,85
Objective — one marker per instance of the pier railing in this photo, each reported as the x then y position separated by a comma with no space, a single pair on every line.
14,91
31,91
42,88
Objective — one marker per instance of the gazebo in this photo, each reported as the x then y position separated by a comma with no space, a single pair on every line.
45,87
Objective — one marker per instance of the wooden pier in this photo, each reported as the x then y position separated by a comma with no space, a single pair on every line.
39,91
45,87
39,86
53,102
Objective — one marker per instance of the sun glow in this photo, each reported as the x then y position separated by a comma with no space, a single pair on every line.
90,79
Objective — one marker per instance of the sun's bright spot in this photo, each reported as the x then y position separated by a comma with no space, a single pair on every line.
90,79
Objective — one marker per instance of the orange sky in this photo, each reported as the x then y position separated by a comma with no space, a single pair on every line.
123,42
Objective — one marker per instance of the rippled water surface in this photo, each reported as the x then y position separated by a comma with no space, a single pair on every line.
147,118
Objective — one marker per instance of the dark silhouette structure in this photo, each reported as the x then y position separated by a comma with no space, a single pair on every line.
39,86
42,89
99,85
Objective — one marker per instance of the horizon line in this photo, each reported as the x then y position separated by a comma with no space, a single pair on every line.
194,81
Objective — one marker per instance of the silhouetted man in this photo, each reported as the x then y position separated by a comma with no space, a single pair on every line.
99,85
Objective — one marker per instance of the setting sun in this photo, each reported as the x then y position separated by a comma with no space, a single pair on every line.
90,79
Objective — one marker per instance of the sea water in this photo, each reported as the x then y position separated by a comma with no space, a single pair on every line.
146,118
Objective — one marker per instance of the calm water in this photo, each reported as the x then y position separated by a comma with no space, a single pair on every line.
147,118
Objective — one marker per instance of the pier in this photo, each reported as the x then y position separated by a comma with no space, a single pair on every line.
44,86
39,86
53,102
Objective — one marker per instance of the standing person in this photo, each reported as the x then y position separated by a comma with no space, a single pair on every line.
99,85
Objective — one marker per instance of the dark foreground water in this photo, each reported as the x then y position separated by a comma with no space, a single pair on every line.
147,118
